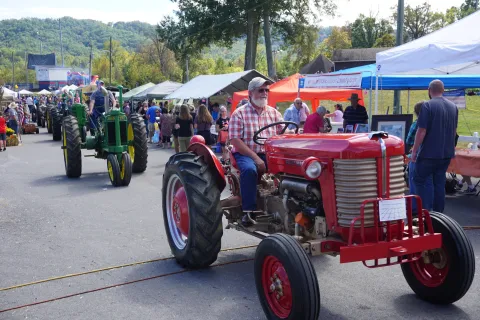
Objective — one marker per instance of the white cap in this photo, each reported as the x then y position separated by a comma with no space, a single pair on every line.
257,83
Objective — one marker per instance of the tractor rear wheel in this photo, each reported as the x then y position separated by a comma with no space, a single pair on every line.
39,118
137,133
443,276
72,147
286,281
113,170
126,169
48,119
191,210
56,124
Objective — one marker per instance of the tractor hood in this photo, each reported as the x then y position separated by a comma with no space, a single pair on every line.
333,146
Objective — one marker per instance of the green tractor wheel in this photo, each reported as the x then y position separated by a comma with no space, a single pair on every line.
72,151
114,170
126,169
138,151
48,117
56,124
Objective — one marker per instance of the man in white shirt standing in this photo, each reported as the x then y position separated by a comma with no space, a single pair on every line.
31,107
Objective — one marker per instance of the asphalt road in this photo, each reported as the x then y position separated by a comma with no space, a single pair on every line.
52,226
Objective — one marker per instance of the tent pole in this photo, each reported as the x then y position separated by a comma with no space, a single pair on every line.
408,102
370,102
376,94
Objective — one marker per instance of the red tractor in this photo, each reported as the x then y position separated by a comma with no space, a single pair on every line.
335,194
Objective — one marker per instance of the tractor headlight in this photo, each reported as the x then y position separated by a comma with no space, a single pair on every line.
312,168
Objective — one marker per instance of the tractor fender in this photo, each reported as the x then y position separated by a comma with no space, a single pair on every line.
209,157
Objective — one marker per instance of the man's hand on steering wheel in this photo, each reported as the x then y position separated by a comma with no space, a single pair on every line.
261,140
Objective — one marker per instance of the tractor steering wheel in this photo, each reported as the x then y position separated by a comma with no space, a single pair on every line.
261,140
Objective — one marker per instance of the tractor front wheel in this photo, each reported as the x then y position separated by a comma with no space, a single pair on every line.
444,275
72,147
56,124
286,281
114,170
126,169
191,210
137,139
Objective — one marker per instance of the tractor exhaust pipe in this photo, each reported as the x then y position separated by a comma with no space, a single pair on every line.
300,186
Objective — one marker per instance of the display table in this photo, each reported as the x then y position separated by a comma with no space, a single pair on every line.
466,162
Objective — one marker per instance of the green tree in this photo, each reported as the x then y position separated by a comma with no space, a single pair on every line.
386,41
420,20
468,7
365,31
337,40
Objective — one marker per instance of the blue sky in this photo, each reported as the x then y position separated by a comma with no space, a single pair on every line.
152,11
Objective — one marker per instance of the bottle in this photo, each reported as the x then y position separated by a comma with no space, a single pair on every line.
475,144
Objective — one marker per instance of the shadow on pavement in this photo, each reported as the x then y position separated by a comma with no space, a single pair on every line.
411,306
87,183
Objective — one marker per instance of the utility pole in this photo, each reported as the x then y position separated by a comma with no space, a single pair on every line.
26,68
187,76
400,21
13,72
61,42
90,62
110,60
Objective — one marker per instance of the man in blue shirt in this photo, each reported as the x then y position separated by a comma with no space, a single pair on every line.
151,116
293,113
434,146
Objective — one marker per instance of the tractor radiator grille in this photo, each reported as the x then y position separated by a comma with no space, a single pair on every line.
356,181
111,133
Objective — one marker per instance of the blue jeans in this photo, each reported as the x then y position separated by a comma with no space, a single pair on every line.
97,112
429,185
248,180
436,170
13,124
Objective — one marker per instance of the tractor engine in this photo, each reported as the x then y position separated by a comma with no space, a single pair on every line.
290,202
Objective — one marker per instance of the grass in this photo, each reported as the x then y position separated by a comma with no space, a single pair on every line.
468,119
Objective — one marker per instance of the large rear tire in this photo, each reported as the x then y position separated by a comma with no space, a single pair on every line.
138,152
48,119
56,124
445,275
191,210
286,281
72,147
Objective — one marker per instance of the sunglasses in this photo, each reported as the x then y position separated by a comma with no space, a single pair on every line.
263,90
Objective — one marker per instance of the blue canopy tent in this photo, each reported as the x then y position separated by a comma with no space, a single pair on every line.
411,82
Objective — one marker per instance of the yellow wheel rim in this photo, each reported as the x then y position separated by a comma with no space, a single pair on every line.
110,170
65,151
122,168
131,138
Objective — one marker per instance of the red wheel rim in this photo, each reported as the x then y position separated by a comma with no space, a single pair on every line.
276,287
180,211
432,271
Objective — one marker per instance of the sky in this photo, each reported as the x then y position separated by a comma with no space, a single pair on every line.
152,11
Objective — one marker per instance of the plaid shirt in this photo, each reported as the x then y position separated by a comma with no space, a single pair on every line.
245,121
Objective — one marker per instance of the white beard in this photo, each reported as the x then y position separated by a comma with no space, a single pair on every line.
262,102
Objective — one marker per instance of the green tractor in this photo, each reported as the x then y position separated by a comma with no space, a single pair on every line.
120,140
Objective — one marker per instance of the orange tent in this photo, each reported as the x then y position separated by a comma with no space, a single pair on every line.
287,90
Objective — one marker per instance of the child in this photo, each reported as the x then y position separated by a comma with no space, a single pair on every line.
3,134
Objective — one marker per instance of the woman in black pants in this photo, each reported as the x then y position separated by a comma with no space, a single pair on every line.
203,122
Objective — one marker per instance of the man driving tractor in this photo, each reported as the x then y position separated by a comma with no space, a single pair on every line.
97,100
250,157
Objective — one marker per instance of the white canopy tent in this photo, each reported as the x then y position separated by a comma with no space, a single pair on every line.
158,91
9,93
205,86
454,49
44,92
25,92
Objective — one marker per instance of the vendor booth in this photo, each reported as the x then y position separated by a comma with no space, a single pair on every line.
288,89
158,91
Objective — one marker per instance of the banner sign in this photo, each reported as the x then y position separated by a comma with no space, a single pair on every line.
457,97
41,60
325,81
